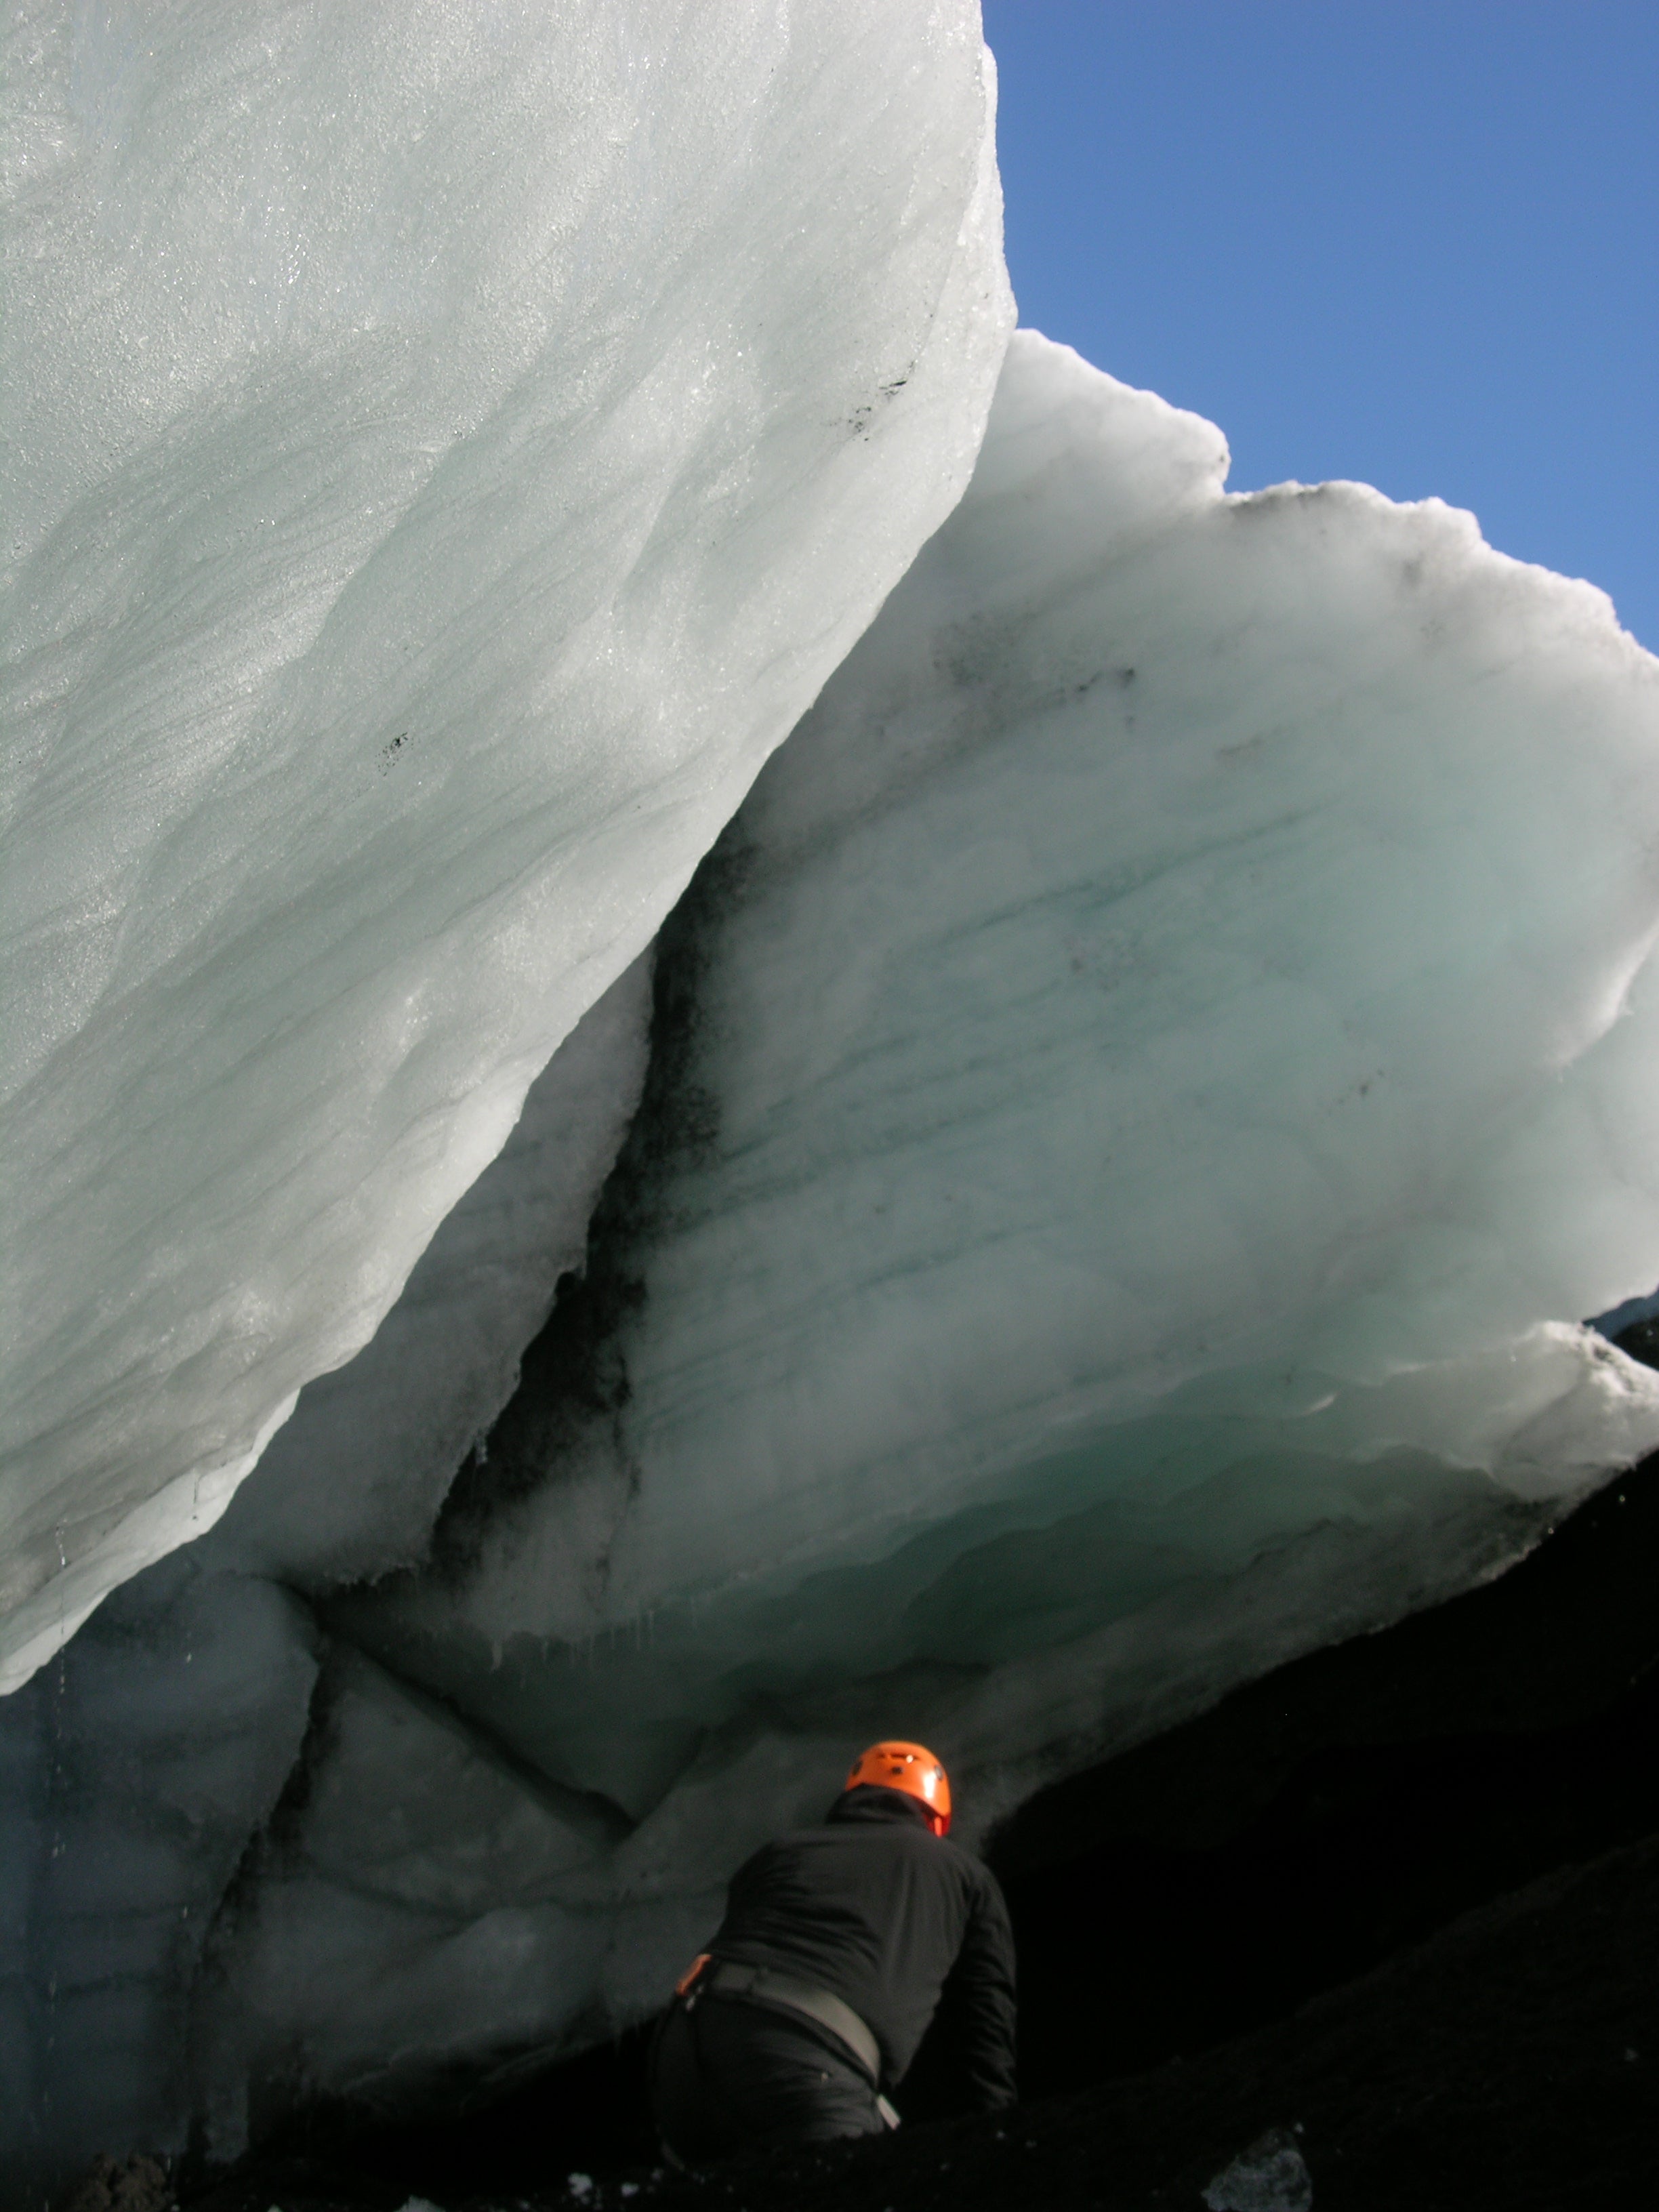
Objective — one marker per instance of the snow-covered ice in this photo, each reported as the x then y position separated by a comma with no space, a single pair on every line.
446,448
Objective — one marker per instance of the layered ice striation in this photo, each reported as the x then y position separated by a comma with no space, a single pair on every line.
1136,1101
1166,1052
1089,1193
349,1487
151,1769
446,449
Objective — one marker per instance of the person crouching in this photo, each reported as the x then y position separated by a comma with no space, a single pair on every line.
809,2003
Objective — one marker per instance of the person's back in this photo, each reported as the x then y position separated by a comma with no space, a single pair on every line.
837,1943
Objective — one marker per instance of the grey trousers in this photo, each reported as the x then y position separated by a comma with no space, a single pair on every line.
728,2075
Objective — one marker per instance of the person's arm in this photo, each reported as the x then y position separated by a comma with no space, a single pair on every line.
980,1995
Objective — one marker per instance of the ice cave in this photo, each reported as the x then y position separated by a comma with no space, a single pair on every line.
728,1012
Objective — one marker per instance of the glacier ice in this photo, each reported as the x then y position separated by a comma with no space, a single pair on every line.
1178,1045
446,449
135,1775
1137,1099
1270,2176
148,1772
349,1486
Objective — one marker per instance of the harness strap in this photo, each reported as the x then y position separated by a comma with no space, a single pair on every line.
761,1986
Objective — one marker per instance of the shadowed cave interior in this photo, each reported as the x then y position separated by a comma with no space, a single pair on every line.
1312,1827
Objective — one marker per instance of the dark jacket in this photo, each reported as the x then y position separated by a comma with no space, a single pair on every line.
875,1907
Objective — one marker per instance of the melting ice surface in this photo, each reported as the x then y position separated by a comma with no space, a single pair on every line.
1137,1098
446,449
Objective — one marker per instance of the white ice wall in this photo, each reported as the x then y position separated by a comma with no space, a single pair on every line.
1192,957
349,1486
447,445
1169,1053
1174,1054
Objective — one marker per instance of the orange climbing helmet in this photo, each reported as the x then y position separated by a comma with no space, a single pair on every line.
911,1768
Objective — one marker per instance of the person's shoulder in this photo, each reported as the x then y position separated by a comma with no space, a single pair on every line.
775,1849
972,1871
791,1841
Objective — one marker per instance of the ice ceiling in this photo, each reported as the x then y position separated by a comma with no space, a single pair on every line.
1091,1189
443,461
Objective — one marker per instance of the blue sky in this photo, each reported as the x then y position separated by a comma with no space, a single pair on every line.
1411,241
